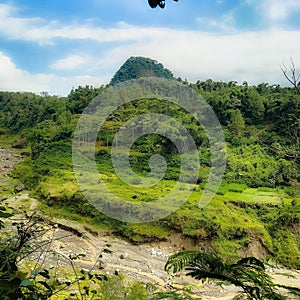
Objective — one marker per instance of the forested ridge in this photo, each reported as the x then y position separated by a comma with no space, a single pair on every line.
258,200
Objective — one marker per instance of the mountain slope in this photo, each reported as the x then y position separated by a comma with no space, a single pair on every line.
136,67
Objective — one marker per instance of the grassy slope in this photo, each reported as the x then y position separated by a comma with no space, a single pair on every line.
236,217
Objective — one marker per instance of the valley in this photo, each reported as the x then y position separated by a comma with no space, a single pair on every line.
254,212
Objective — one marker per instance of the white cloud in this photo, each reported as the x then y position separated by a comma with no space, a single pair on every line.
15,79
225,23
251,56
71,62
42,32
232,55
278,10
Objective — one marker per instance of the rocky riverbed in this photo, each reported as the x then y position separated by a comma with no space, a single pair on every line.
8,159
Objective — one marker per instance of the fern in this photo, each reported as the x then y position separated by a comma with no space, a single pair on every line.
248,273
180,260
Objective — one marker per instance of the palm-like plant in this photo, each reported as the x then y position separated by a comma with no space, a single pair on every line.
248,273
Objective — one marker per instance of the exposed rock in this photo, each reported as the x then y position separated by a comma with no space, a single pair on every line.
20,143
7,160
19,187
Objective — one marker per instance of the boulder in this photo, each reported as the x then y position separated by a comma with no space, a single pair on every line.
20,143
19,187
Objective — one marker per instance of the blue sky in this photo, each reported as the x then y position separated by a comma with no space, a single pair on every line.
55,45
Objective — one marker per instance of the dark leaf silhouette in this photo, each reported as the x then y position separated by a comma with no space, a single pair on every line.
247,273
155,3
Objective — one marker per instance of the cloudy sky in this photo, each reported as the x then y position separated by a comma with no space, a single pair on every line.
55,45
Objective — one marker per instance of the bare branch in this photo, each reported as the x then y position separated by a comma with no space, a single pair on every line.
292,75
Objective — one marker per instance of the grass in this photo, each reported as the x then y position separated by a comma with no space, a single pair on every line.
254,195
6,140
230,221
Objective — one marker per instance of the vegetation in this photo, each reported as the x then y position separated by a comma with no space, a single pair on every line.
248,273
257,202
41,282
136,67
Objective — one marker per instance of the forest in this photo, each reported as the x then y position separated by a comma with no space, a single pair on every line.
258,199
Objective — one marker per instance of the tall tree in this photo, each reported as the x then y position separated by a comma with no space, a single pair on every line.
237,123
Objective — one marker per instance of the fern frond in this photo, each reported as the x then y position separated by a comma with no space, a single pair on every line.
180,260
251,261
194,260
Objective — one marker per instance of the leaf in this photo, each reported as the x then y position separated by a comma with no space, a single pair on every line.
27,283
45,274
199,260
252,261
180,260
101,277
45,284
68,283
34,273
5,214
9,285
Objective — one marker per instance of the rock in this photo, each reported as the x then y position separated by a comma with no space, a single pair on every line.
84,271
19,187
60,281
20,143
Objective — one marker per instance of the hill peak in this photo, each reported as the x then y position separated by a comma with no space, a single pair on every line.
138,66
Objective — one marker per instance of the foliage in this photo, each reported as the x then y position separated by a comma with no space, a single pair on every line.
19,111
80,97
261,127
248,273
136,67
17,283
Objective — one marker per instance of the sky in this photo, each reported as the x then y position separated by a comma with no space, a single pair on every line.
56,45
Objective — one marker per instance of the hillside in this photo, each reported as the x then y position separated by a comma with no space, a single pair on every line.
256,210
136,67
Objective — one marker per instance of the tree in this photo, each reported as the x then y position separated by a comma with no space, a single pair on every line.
291,120
253,106
248,273
80,97
293,77
160,3
237,123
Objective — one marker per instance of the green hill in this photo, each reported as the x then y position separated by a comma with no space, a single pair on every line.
136,67
258,201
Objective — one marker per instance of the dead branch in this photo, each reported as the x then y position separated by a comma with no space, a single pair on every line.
292,75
